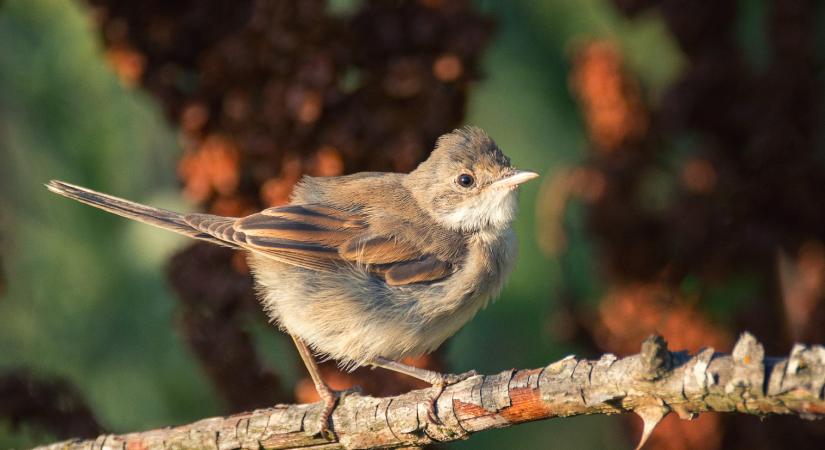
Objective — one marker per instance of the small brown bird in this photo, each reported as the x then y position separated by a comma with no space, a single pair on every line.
370,268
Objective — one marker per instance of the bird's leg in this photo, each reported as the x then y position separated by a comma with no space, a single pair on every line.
328,396
438,380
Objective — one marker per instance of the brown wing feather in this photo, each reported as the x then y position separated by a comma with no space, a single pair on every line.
423,270
273,237
321,238
368,250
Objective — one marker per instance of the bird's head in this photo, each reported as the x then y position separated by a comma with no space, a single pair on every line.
467,183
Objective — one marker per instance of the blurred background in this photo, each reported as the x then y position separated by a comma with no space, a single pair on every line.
683,176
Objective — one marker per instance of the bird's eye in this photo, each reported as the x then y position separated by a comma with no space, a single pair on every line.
465,180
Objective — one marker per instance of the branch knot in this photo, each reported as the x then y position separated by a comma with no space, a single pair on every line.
655,358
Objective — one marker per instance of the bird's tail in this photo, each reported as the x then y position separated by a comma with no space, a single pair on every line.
158,217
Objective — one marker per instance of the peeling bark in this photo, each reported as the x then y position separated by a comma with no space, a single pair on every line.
650,384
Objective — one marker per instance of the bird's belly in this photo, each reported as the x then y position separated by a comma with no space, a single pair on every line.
353,317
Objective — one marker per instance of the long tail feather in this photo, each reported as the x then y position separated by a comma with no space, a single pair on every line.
158,217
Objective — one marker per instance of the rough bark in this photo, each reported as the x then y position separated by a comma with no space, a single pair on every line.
651,384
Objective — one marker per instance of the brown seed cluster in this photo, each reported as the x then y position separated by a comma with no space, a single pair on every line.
610,100
263,92
280,89
627,314
45,404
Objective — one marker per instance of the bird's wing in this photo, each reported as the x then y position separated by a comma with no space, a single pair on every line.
322,238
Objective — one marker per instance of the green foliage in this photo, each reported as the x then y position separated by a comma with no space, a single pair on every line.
86,297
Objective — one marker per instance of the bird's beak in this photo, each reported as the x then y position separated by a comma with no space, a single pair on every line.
515,178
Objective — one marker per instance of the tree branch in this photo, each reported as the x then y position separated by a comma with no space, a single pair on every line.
650,384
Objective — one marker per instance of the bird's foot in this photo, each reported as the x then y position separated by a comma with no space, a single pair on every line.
444,380
331,399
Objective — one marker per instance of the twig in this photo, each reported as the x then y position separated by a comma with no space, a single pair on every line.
650,384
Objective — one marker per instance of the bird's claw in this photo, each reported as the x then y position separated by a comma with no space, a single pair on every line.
326,433
331,400
445,380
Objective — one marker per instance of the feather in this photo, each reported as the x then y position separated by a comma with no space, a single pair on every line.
322,238
423,270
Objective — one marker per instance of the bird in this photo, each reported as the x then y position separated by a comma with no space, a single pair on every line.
369,268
